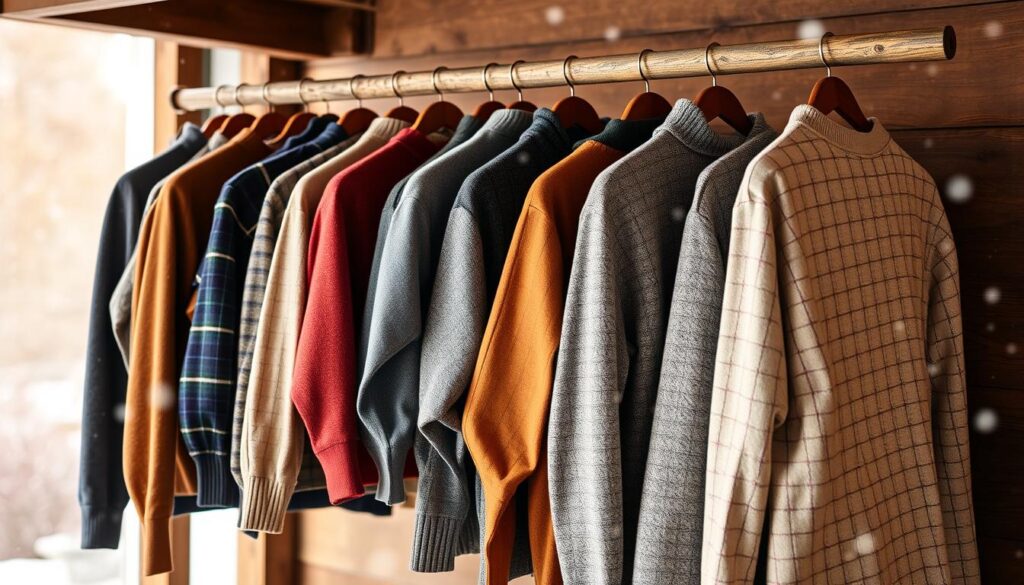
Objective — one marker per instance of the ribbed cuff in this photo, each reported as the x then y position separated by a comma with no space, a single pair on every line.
264,504
341,469
469,536
433,544
156,546
391,483
216,487
101,527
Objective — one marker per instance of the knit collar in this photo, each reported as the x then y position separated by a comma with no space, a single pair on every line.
625,135
508,122
190,138
547,134
384,128
686,122
467,127
845,138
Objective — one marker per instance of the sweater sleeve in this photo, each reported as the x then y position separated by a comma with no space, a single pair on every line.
324,383
454,328
271,442
389,393
749,400
507,404
584,441
672,503
949,407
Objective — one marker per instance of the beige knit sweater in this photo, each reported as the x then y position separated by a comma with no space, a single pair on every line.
839,405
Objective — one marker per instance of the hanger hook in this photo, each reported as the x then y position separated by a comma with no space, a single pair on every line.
433,82
235,99
640,66
821,53
394,87
567,76
266,100
216,96
352,89
707,62
305,104
512,79
487,86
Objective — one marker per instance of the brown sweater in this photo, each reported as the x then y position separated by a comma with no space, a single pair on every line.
171,244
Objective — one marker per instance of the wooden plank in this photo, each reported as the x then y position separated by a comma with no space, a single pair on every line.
417,27
175,65
41,8
961,99
269,559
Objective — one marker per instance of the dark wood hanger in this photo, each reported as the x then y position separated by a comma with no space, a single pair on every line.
402,112
718,102
212,124
295,125
440,114
646,105
484,110
268,125
357,121
519,104
574,110
236,123
831,94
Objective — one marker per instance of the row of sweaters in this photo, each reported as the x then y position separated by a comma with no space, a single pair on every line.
658,354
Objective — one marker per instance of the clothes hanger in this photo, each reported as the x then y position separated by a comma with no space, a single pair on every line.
270,124
440,114
484,110
237,122
402,112
831,94
296,123
718,102
646,105
519,104
213,123
357,120
573,110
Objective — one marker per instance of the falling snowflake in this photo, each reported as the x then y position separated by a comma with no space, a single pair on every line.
612,33
777,95
959,188
992,295
678,214
899,328
929,142
934,370
990,327
555,15
1011,348
865,544
810,29
1019,553
993,29
932,70
119,411
985,421
523,158
163,397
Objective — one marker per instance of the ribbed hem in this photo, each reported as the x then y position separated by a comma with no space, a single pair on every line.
156,546
264,503
341,469
101,527
216,486
391,480
434,542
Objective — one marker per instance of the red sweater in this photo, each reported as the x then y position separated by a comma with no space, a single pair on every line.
341,248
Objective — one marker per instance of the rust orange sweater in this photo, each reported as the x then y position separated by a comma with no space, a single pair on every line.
171,244
505,420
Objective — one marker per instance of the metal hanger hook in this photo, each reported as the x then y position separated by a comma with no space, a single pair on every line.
352,89
568,78
821,53
266,100
394,87
216,96
235,99
487,86
707,62
305,104
433,82
640,67
512,79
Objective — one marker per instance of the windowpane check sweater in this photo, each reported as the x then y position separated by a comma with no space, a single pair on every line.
340,252
613,332
839,407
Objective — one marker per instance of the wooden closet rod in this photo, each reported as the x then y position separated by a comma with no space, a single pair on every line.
930,44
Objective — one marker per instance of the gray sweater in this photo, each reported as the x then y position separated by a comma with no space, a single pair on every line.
669,533
612,338
388,398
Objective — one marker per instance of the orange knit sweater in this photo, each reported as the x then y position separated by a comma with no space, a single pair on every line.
171,244
505,419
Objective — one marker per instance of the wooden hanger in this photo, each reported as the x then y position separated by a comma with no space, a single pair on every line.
484,110
270,124
402,112
646,105
718,102
519,104
357,120
576,111
237,122
298,121
440,114
214,122
831,94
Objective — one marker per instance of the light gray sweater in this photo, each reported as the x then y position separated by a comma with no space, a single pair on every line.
613,332
669,532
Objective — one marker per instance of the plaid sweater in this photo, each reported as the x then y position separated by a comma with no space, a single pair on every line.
206,387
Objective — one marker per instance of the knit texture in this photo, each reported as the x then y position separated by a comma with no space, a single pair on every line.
388,397
473,252
839,406
209,374
270,428
613,333
102,494
672,502
340,251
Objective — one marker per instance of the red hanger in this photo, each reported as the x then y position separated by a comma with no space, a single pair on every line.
718,102
646,105
831,94
440,114
358,120
519,104
576,111
402,112
484,110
